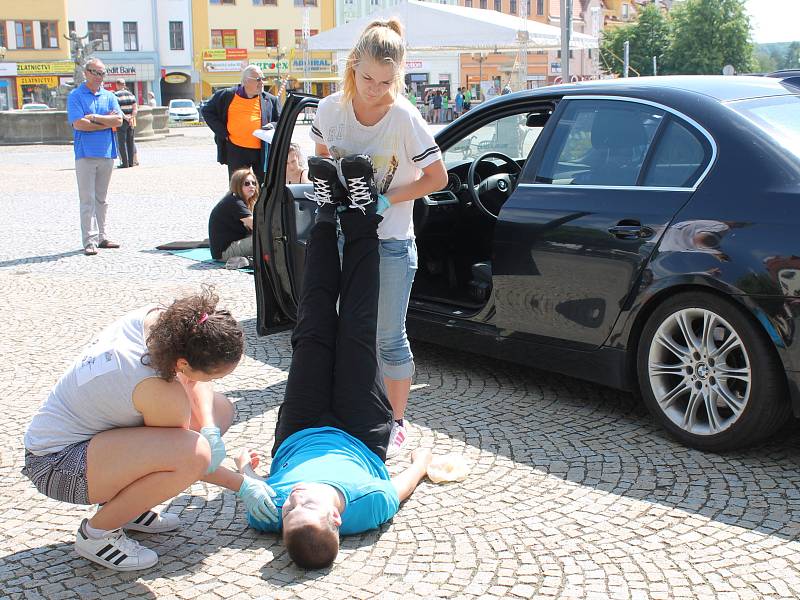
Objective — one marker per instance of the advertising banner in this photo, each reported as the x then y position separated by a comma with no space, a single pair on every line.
41,68
223,66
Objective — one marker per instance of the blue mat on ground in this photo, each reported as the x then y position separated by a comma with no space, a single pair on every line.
203,255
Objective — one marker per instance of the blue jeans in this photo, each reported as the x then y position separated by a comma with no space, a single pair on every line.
397,270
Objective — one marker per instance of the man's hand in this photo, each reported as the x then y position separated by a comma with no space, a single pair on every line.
257,497
214,438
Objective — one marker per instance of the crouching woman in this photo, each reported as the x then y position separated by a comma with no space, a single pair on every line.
135,420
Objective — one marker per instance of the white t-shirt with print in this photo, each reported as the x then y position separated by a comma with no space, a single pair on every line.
400,146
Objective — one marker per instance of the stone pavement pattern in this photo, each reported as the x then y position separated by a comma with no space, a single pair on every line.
574,492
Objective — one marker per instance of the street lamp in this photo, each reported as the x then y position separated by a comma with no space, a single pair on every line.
480,57
280,52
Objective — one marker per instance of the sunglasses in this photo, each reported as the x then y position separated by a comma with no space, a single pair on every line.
258,78
249,183
95,72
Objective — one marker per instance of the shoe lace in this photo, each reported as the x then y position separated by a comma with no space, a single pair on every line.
322,192
124,543
360,194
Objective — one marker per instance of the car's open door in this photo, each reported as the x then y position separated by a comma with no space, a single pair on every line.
283,217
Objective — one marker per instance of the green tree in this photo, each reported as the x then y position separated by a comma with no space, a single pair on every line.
649,36
709,34
765,62
792,58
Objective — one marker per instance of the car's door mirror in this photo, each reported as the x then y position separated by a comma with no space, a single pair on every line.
538,118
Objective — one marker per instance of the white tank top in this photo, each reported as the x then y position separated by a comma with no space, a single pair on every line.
96,392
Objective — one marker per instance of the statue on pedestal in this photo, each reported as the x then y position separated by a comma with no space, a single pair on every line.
80,51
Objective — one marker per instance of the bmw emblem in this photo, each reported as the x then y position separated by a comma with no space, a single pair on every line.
502,185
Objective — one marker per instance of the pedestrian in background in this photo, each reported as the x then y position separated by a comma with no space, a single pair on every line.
93,112
126,131
467,99
233,115
151,99
459,108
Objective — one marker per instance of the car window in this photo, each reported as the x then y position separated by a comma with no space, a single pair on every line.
779,116
182,104
509,135
678,159
599,142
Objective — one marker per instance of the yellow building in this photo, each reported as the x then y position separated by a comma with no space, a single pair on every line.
34,56
229,34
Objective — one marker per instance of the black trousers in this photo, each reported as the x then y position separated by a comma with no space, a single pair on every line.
334,379
125,144
239,158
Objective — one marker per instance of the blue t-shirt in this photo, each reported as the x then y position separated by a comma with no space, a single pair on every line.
92,144
331,456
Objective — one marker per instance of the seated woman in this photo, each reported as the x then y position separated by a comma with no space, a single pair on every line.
296,167
135,421
230,225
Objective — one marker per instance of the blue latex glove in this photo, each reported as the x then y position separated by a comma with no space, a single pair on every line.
214,438
257,497
383,204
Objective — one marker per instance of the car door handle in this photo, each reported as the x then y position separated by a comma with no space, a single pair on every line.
630,232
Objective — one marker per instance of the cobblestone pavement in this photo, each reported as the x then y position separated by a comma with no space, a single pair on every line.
574,492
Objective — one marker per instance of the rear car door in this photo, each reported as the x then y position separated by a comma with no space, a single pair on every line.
572,240
283,217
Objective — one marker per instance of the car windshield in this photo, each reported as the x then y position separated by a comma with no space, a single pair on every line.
779,116
182,104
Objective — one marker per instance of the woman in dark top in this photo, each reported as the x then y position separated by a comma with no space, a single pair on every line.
230,226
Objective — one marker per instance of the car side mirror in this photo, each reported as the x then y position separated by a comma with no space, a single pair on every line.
538,118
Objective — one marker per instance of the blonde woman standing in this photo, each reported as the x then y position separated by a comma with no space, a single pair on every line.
397,161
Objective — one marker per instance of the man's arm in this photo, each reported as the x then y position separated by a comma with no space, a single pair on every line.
406,482
212,114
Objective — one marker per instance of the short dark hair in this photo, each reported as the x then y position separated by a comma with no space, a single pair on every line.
313,546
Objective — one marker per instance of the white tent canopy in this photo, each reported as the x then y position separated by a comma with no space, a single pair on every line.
430,26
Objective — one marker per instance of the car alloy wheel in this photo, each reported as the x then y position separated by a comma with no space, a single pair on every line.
709,374
699,371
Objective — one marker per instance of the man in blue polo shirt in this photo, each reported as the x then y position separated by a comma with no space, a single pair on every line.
327,475
93,113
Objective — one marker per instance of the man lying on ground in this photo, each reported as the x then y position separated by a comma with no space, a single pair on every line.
333,427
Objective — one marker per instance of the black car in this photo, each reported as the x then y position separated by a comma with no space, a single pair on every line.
639,233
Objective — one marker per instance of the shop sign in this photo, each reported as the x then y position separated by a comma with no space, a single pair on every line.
117,70
48,81
223,66
8,69
176,78
225,54
56,68
271,66
555,67
314,65
413,64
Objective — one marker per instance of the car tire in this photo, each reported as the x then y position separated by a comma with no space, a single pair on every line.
709,374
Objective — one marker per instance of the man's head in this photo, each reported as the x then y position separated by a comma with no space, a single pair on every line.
94,70
252,80
311,522
121,84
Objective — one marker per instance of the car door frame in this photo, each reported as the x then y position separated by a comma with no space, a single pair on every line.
278,249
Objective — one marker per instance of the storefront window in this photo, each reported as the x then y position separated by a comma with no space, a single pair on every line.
24,31
37,89
49,31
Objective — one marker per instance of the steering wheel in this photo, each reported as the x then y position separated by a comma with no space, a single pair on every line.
496,188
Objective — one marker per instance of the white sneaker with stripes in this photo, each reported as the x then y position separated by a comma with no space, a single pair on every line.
114,550
397,439
153,522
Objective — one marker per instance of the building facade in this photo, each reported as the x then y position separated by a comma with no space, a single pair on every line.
35,65
269,33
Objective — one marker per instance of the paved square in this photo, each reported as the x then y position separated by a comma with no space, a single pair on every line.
574,492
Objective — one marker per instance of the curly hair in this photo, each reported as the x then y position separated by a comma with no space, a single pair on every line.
192,328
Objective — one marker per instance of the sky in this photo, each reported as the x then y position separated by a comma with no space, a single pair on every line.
774,20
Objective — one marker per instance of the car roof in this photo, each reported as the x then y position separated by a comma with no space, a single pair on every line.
720,87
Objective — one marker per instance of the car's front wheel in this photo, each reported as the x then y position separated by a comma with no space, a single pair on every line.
709,375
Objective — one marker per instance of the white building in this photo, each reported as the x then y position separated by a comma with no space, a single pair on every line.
422,68
146,42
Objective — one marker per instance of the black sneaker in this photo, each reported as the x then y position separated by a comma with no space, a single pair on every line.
358,173
328,189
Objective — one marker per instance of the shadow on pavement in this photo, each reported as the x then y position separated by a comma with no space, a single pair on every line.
38,259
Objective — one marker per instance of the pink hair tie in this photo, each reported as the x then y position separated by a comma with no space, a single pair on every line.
203,318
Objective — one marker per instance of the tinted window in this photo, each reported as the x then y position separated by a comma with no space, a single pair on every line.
599,142
678,159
